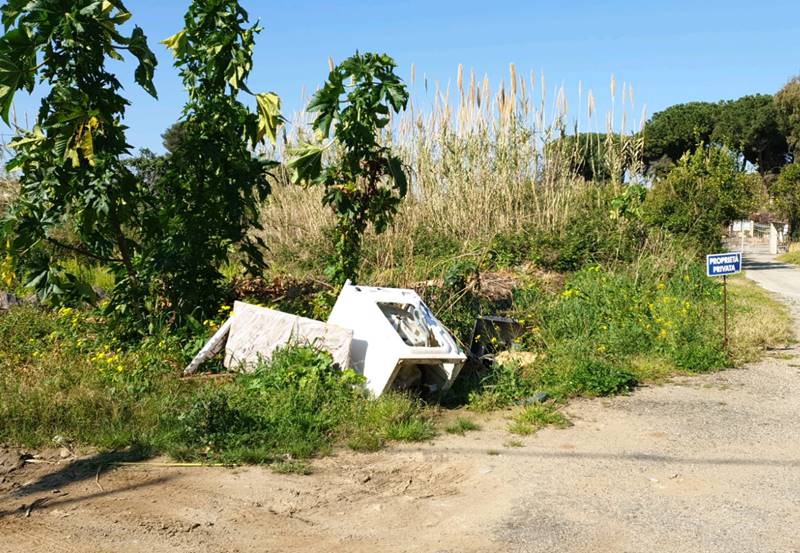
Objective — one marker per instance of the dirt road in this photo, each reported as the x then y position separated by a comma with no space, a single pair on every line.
703,464
777,277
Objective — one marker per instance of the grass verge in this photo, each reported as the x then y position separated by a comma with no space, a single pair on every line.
63,380
791,257
758,321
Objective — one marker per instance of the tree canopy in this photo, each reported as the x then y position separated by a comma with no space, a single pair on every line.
786,195
679,129
749,126
787,103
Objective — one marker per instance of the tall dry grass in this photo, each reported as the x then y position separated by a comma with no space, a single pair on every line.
8,191
479,167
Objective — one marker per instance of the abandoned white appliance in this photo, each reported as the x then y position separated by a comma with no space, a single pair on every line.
253,333
397,341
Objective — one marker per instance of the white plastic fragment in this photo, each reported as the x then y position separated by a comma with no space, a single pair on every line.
212,347
397,341
256,332
253,333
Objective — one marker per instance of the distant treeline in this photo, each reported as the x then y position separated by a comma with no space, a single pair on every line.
762,129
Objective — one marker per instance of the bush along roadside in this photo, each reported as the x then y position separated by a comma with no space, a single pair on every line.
66,378
296,406
607,330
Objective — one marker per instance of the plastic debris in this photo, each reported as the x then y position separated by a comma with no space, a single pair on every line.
397,341
253,333
387,334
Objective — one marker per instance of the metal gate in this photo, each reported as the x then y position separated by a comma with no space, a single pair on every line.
753,237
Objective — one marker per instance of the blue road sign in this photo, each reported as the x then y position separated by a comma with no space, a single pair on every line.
723,264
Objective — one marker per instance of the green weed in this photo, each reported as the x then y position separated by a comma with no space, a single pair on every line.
393,416
599,378
461,426
533,417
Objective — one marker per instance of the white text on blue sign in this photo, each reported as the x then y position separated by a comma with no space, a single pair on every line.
722,264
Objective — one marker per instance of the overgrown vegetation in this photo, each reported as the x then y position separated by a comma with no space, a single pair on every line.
64,380
365,185
487,208
164,240
606,331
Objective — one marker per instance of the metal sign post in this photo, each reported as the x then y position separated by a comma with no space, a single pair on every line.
724,264
725,310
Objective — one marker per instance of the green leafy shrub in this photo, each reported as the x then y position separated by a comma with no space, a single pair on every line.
511,248
291,406
701,194
600,378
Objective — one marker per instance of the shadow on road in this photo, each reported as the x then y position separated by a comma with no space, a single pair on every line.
76,471
764,265
25,510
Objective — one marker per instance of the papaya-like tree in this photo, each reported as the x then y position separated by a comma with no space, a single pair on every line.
71,169
366,182
211,184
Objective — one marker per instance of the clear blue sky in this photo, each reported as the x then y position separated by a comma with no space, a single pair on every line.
671,51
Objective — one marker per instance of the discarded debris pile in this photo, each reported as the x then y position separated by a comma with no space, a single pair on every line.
387,334
397,341
253,333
